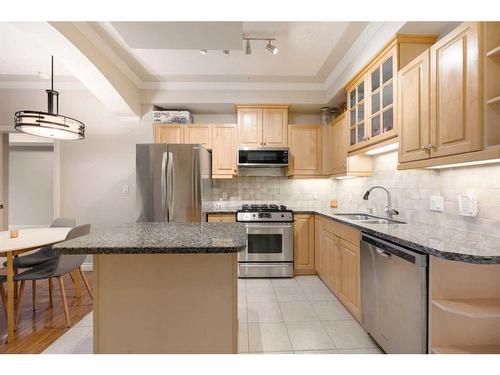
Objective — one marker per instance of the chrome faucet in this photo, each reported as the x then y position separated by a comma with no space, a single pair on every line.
389,211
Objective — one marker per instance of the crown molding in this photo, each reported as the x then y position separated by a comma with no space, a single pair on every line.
272,86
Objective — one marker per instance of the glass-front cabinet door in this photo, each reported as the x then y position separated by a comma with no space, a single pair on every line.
381,119
357,131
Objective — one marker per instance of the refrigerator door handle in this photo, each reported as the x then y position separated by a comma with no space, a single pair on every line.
163,184
170,191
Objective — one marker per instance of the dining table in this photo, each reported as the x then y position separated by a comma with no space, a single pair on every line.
27,240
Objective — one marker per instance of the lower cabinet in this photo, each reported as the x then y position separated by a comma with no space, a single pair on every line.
337,261
303,245
348,289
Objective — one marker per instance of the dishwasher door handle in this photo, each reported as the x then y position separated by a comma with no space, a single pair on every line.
384,253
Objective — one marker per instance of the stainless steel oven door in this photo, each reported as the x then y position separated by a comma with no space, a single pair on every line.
268,242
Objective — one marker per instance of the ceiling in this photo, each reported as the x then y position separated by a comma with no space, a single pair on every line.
160,63
26,58
304,49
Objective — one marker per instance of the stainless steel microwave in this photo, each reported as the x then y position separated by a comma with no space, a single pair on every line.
263,157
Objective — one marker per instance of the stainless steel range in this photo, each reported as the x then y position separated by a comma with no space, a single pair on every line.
269,250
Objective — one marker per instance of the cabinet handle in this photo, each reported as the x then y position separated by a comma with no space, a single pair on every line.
428,147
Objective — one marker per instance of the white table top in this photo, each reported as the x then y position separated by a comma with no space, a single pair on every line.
31,238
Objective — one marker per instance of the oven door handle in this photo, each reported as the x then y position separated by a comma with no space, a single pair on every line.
269,225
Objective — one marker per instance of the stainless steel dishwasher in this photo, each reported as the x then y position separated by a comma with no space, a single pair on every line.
394,295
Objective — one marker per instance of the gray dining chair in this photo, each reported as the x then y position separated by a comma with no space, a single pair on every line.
42,255
55,268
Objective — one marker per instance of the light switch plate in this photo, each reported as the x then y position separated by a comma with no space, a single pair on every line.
467,205
436,203
125,189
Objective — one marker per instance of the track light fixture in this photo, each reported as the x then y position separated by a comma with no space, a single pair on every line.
269,46
248,48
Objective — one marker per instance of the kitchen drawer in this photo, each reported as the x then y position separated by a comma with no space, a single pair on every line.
343,231
221,218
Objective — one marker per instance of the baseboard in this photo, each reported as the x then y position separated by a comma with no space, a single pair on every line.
88,266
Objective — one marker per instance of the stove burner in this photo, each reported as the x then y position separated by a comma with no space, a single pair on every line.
263,207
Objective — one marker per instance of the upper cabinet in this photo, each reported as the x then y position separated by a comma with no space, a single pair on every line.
372,93
169,133
413,106
340,163
199,134
455,115
305,150
441,103
262,127
224,151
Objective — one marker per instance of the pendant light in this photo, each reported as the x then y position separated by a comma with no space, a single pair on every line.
49,124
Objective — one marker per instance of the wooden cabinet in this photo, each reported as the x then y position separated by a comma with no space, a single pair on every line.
413,109
349,288
455,108
262,126
221,218
337,261
169,133
275,127
224,151
250,127
464,307
305,150
372,93
443,115
303,244
199,134
340,163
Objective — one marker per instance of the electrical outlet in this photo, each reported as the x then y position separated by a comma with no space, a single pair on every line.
224,195
315,195
125,189
436,203
467,205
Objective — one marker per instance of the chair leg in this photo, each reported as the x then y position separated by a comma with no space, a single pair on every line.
76,284
65,303
86,283
2,295
18,308
33,294
50,292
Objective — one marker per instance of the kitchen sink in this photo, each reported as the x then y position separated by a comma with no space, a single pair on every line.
370,219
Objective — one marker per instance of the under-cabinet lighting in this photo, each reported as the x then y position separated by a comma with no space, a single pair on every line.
465,164
345,177
383,149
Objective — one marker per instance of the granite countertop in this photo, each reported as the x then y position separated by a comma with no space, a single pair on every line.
442,242
159,238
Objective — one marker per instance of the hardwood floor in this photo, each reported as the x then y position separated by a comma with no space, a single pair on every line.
40,328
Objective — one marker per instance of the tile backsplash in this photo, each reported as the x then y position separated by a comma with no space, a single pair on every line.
411,190
299,192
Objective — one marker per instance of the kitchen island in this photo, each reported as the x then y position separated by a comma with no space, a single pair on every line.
164,287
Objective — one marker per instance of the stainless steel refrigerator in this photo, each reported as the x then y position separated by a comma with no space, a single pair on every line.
173,182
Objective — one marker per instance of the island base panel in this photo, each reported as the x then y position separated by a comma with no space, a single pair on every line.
165,303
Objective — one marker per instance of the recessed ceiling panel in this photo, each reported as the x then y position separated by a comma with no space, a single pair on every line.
181,35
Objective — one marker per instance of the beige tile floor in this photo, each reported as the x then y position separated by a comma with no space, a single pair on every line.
298,315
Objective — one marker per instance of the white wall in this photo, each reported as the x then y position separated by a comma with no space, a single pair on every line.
31,186
93,170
